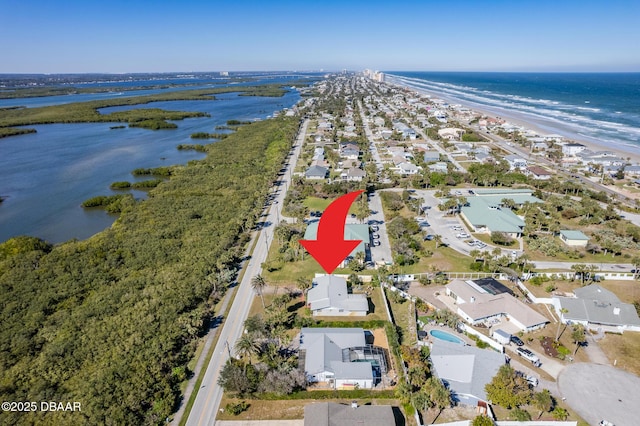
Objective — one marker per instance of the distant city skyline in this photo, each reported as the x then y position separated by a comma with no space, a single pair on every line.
196,35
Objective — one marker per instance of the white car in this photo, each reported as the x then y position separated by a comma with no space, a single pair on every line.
463,235
528,355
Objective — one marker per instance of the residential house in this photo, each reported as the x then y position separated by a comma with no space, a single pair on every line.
573,238
329,297
516,162
353,174
572,149
406,131
487,300
597,309
316,172
538,173
334,414
450,133
407,169
440,167
465,370
341,358
431,156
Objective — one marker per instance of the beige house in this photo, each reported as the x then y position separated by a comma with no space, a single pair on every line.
574,238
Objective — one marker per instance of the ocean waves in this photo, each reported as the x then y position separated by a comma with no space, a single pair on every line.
571,108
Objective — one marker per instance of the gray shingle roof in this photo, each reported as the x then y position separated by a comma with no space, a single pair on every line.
333,414
323,352
331,291
466,369
598,305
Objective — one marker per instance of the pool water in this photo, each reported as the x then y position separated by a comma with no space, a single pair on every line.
443,335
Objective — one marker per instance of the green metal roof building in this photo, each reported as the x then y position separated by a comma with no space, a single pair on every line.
485,212
352,231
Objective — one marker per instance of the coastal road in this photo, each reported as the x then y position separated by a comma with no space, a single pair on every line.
208,399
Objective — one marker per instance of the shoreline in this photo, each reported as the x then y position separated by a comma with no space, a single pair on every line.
539,124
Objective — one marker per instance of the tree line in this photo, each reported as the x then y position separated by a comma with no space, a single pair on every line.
112,321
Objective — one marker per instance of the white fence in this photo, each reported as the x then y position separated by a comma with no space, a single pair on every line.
495,345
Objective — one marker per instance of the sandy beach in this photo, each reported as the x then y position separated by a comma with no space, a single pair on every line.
539,124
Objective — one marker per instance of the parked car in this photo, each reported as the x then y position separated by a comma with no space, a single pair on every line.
375,227
375,236
429,237
516,340
463,235
528,355
376,243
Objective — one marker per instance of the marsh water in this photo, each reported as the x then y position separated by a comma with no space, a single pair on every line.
44,177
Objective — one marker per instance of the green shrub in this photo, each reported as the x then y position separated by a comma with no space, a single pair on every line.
238,408
146,184
120,185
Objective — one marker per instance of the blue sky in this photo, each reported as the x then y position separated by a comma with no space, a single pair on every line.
48,36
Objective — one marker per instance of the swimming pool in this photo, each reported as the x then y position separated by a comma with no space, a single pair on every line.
448,337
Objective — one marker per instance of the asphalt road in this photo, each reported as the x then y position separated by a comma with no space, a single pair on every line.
601,392
208,399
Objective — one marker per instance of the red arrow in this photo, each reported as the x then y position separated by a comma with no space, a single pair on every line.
330,248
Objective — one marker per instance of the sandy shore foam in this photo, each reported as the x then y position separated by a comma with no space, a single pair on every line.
537,123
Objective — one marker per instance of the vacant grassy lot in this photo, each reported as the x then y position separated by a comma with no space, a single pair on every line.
623,350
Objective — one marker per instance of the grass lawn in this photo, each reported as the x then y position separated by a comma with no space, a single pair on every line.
297,305
551,330
315,203
443,259
401,315
285,409
587,258
291,271
376,309
623,349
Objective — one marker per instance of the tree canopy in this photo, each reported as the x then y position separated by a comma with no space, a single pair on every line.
113,320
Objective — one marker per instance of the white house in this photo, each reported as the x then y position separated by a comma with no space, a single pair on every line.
341,358
574,238
571,149
485,300
597,308
329,297
450,133
406,169
353,174
516,162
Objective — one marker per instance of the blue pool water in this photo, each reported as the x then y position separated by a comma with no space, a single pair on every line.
443,335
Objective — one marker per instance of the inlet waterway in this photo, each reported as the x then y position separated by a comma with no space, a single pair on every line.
44,177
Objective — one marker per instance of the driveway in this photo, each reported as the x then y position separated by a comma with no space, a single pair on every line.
600,392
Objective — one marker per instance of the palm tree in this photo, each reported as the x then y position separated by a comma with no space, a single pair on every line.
303,284
258,284
543,401
438,239
578,336
247,346
560,413
562,311
439,394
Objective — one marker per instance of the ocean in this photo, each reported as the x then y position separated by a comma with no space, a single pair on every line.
601,108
